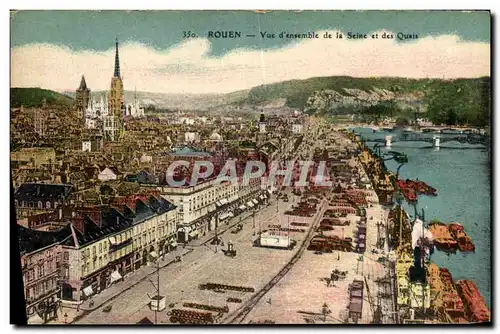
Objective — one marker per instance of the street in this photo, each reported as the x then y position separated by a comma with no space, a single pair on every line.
179,281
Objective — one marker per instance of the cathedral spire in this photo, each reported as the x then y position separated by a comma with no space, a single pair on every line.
83,84
117,61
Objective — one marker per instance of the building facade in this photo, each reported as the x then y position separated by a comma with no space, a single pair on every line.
192,137
134,109
35,198
97,108
155,234
202,207
36,156
82,98
109,245
42,267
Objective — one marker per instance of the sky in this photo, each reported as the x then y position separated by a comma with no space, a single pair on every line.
52,49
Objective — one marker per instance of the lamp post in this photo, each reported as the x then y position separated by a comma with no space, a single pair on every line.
157,287
325,311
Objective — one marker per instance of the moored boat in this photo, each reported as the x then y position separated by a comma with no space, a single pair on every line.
465,243
446,244
421,187
452,302
442,237
475,307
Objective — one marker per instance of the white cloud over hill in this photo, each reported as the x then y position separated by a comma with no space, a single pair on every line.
188,68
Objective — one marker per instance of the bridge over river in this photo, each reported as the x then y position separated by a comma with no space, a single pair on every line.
434,139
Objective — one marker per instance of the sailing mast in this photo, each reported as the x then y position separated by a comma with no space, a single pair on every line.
400,226
424,284
288,231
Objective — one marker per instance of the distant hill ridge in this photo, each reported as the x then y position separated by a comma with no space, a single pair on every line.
297,92
307,94
34,97
177,101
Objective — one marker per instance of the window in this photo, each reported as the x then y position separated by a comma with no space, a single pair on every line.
83,270
47,205
93,250
23,203
100,247
40,205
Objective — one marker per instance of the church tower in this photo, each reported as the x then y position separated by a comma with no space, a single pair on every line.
113,123
82,98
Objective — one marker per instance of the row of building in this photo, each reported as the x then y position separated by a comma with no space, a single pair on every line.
71,250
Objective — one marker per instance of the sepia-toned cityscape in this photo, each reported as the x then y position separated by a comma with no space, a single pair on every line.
233,176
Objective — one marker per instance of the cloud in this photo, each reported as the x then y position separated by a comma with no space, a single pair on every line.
188,67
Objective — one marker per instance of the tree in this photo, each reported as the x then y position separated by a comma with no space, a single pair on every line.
459,103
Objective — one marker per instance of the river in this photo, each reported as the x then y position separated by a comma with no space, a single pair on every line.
461,175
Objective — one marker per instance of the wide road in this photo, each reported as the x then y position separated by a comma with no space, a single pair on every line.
252,266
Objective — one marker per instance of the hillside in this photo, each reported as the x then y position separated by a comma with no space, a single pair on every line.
461,101
34,97
297,92
179,101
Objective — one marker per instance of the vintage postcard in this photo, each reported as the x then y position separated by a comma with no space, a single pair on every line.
251,167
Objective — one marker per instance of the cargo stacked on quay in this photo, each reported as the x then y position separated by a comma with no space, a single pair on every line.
425,293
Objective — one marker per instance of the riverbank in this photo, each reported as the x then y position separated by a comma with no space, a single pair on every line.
446,170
